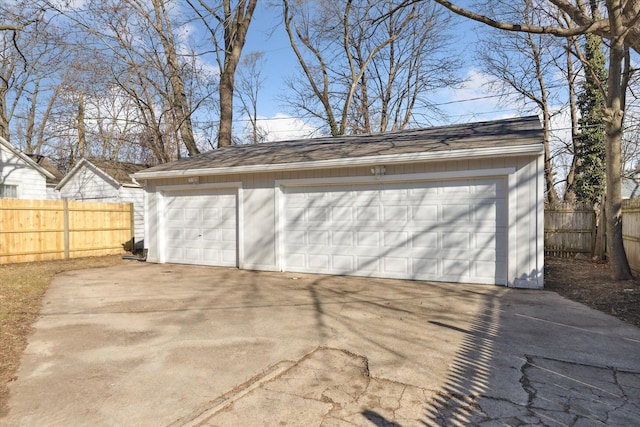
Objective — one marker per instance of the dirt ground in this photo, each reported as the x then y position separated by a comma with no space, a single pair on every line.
590,283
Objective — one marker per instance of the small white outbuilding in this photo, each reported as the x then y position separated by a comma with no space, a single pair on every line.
20,176
459,203
100,180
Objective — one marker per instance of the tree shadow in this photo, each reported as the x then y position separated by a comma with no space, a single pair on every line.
378,419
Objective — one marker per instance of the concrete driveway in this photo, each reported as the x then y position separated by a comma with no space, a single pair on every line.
152,345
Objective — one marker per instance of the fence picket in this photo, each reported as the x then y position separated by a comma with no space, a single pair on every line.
631,232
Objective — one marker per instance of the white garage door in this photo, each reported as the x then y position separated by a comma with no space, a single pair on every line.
201,228
443,231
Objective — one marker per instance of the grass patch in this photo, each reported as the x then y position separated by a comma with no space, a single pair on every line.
21,289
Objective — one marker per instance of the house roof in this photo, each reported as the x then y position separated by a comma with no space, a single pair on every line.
8,146
45,163
120,171
117,173
501,137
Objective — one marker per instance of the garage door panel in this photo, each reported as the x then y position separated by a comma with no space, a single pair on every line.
395,213
229,257
318,238
393,193
297,262
342,238
201,227
425,240
368,264
425,212
456,267
425,268
319,261
367,213
343,264
396,239
396,265
342,214
368,239
211,235
453,230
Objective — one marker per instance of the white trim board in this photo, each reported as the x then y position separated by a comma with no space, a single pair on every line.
386,179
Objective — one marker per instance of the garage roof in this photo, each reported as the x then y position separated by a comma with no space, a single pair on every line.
516,136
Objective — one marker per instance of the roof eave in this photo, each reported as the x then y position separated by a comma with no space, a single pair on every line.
510,151
42,171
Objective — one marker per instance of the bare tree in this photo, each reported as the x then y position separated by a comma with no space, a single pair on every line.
228,25
525,63
418,61
160,21
134,55
23,50
620,26
250,82
571,75
365,68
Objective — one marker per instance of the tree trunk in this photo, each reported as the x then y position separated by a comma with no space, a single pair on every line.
82,138
226,106
180,103
613,117
235,34
552,195
4,122
569,192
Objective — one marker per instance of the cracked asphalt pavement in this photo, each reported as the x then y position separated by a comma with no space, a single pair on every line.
174,345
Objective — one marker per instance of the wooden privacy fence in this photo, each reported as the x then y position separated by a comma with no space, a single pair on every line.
631,232
569,230
34,230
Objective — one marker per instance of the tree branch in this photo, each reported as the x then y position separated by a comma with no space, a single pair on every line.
591,26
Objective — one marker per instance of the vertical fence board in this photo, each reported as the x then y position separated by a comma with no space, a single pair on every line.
35,230
631,232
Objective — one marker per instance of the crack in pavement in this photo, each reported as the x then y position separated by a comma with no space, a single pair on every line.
327,386
330,387
560,393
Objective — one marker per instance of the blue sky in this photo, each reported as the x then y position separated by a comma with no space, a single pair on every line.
267,34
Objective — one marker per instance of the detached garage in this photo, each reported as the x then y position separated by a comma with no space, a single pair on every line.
460,203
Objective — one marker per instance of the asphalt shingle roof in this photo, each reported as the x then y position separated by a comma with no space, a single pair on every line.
122,172
498,133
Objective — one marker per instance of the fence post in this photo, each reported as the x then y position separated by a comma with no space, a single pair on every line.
65,203
133,228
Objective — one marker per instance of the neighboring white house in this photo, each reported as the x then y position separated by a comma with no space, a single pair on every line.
106,181
461,203
20,176
52,194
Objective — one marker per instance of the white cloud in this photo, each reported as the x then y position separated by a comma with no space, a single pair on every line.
282,127
475,101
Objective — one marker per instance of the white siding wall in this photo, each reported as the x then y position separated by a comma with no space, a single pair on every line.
259,211
88,184
52,193
135,195
15,171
